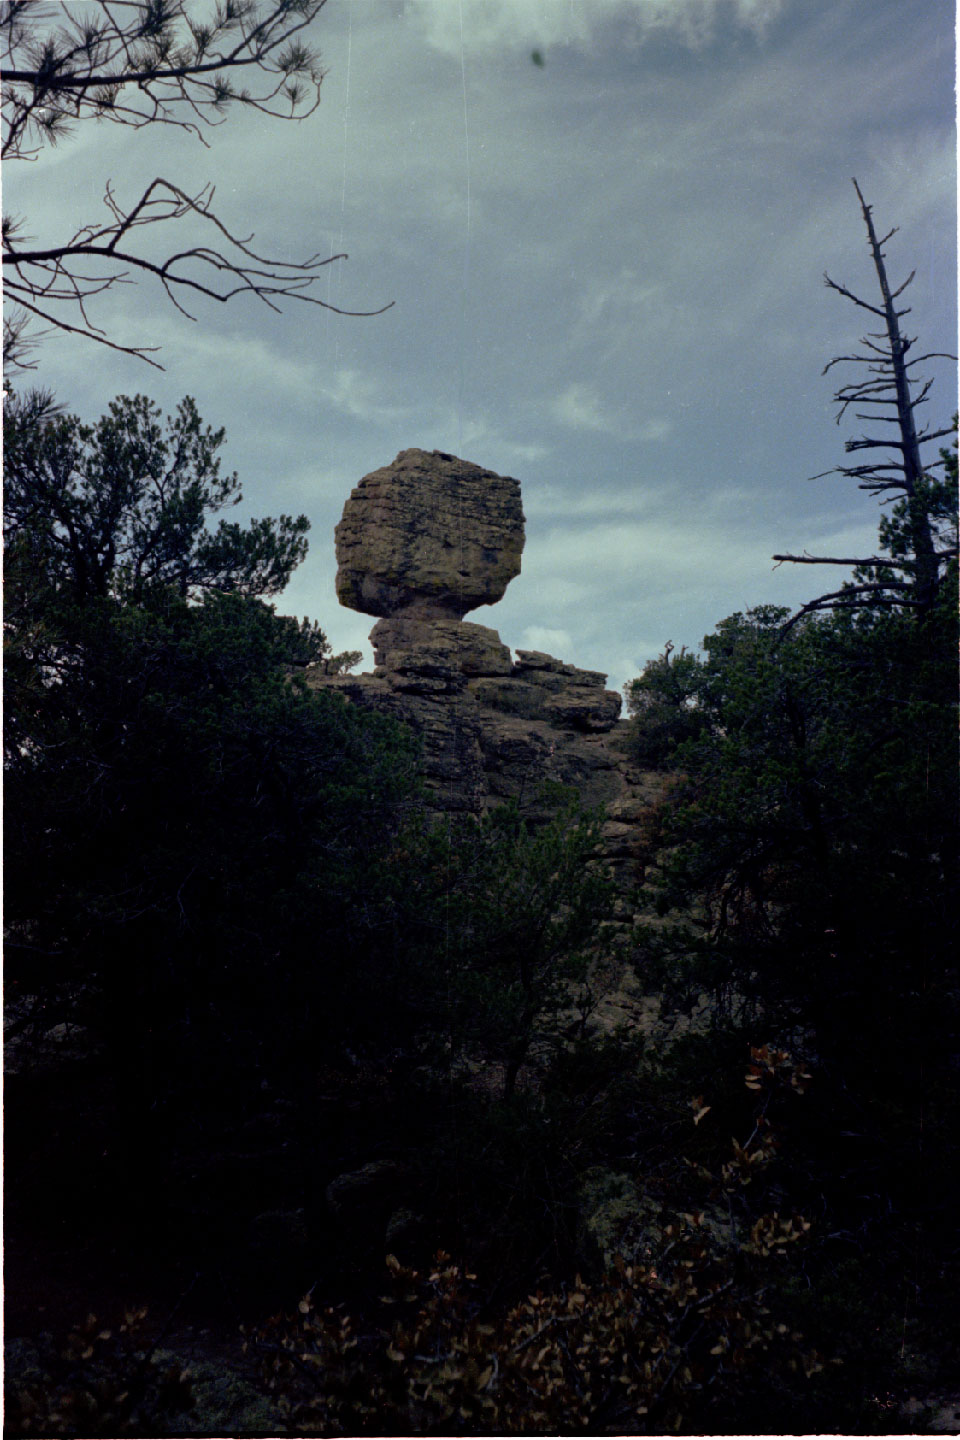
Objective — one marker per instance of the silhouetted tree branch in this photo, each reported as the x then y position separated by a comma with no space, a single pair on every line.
920,533
137,63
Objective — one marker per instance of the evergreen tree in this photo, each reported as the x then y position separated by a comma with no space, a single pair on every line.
189,826
118,507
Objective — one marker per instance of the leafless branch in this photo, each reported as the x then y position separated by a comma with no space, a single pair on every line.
170,62
842,290
916,524
852,597
808,559
35,276
867,444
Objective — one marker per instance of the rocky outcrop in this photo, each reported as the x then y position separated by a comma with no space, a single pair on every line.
413,640
421,542
539,687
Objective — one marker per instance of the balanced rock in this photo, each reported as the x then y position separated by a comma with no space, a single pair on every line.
421,542
430,532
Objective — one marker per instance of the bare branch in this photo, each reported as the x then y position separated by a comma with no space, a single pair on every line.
933,355
867,444
170,65
842,290
11,341
916,528
927,435
906,282
873,561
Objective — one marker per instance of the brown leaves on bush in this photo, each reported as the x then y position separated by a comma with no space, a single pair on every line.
646,1349
99,1381
638,1351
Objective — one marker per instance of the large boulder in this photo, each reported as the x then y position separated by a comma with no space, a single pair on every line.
429,531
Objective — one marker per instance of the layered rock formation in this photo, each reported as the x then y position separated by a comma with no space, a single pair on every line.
422,542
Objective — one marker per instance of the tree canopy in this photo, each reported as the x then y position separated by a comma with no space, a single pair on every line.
181,809
121,506
802,869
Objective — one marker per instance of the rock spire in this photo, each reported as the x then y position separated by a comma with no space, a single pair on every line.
422,542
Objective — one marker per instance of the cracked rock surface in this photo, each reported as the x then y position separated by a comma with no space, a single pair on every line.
429,531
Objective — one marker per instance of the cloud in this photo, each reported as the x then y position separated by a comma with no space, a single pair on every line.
556,503
657,428
542,637
579,407
495,24
573,564
358,395
604,296
611,594
529,453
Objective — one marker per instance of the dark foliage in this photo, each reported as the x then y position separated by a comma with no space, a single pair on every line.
121,507
806,884
189,827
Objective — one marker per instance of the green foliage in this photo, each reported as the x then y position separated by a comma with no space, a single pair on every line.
813,826
804,871
805,877
182,813
474,1004
119,507
809,841
510,1169
663,704
174,798
504,914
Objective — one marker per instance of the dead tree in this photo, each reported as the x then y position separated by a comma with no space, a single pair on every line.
138,63
919,536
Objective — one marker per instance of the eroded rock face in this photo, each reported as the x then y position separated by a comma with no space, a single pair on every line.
411,640
492,728
430,532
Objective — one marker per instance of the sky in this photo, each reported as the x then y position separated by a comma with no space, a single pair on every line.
604,226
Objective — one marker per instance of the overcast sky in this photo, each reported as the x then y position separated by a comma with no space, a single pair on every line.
607,272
